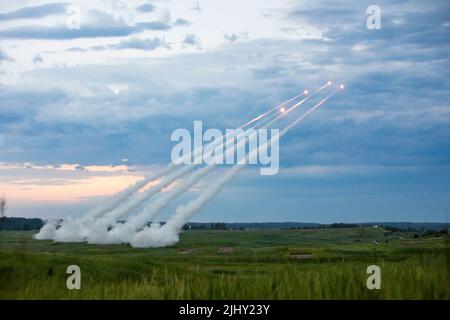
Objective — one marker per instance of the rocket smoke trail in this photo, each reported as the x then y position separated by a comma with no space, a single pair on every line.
167,234
274,117
305,92
299,119
98,232
95,226
121,203
157,236
271,113
77,230
125,194
122,232
299,103
48,231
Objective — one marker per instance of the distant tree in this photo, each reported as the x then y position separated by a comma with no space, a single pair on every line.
2,207
219,226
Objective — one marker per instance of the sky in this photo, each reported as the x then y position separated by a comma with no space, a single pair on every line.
90,92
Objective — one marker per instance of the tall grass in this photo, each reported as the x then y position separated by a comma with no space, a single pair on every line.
249,273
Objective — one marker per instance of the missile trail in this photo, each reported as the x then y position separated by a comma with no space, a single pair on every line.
298,104
74,227
261,116
111,217
305,92
168,233
121,232
286,129
94,225
124,195
49,231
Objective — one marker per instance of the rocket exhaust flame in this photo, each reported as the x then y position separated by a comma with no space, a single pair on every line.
298,104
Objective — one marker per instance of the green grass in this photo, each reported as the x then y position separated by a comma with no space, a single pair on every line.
262,265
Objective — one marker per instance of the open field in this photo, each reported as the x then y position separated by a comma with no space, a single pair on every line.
207,264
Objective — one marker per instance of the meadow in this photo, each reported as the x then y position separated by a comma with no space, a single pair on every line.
232,264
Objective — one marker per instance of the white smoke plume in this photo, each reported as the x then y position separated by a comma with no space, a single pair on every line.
101,224
95,230
122,196
161,236
122,232
48,231
168,234
98,232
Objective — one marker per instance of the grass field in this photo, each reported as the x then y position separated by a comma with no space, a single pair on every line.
279,264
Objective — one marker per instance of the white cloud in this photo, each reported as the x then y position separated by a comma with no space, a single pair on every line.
359,47
217,18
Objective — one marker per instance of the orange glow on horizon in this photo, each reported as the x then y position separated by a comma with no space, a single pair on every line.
71,191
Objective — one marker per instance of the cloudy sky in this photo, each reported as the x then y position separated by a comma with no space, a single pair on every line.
90,92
